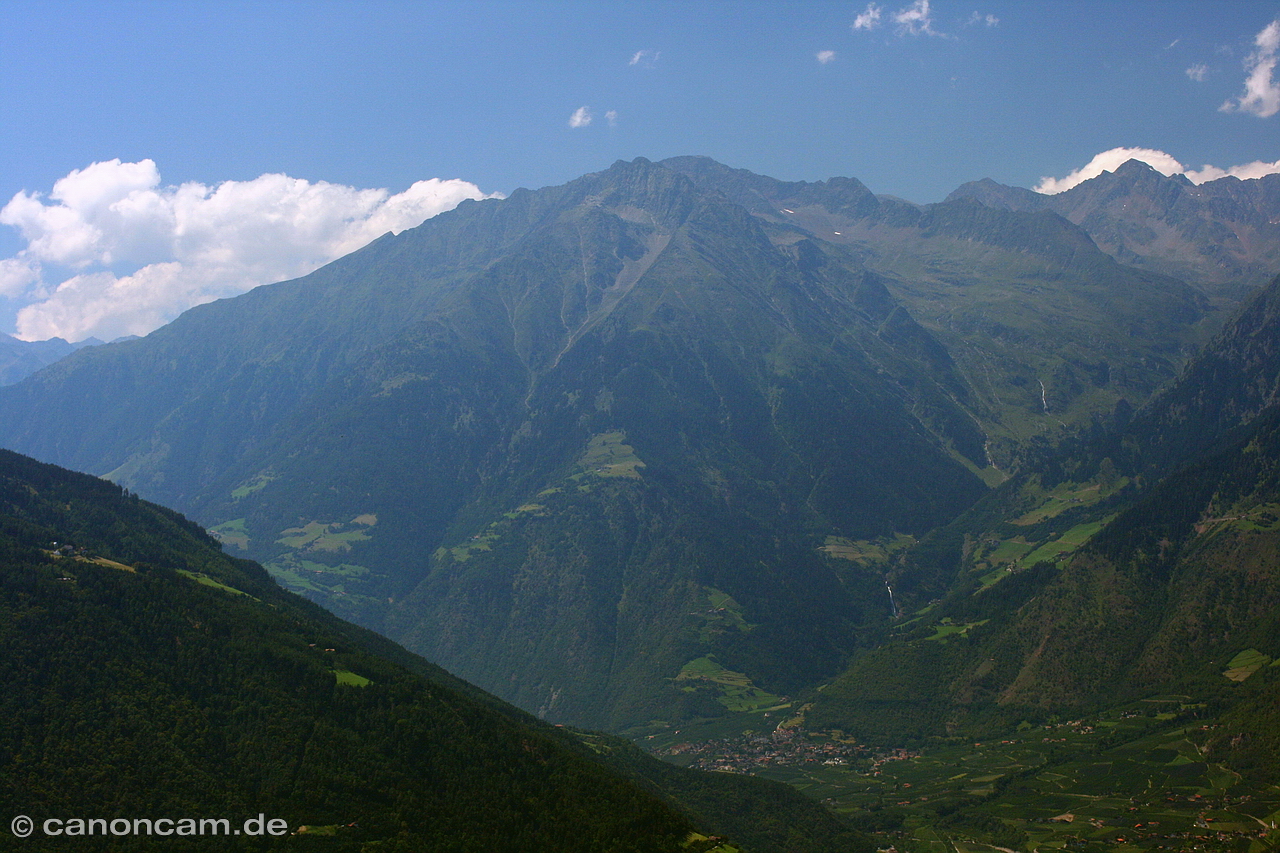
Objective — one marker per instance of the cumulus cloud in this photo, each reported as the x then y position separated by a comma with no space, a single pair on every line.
581,117
112,251
915,19
17,276
1198,72
868,19
1261,95
1256,169
1166,164
825,56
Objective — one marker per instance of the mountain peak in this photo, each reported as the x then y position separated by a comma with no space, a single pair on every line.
1128,177
1133,166
995,194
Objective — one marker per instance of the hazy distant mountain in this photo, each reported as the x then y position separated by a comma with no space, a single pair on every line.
19,359
1222,235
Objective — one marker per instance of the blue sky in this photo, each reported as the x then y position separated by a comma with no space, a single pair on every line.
912,98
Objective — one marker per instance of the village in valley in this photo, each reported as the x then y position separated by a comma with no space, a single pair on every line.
783,747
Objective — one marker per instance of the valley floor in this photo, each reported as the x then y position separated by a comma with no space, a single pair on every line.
1130,779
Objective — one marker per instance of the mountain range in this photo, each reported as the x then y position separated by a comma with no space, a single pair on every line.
585,445
20,359
679,448
1221,236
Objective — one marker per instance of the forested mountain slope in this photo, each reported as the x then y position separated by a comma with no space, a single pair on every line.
545,440
1137,561
149,675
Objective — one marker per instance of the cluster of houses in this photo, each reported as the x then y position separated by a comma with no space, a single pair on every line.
784,747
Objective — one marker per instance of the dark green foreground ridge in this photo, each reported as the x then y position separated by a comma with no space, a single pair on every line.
148,675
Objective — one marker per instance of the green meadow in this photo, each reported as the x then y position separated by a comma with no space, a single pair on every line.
608,455
737,692
232,532
331,536
1068,496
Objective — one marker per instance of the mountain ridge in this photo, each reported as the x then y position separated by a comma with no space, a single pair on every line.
1222,234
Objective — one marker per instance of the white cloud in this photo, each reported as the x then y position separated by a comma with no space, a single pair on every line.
645,58
112,251
17,276
1256,169
869,19
1261,90
581,117
1198,72
612,117
978,18
825,56
1109,161
915,19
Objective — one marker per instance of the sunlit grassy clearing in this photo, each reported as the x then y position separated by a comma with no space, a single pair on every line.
723,613
232,532
1067,496
737,691
1245,664
866,552
350,679
947,629
1066,543
330,536
608,455
202,578
296,574
257,483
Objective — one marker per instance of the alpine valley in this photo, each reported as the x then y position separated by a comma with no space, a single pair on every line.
963,518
